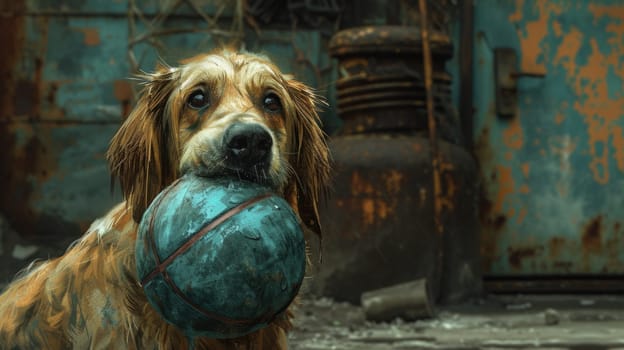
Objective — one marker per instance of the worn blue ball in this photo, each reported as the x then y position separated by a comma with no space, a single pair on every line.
220,257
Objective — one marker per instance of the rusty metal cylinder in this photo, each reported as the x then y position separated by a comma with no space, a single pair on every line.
381,85
378,223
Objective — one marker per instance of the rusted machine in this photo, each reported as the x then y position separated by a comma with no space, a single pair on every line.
379,221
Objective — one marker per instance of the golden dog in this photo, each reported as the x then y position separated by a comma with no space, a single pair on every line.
223,113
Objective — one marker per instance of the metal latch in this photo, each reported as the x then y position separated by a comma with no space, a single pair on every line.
506,77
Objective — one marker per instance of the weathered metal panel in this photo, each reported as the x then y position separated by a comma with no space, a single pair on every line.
81,63
65,107
59,181
68,90
553,172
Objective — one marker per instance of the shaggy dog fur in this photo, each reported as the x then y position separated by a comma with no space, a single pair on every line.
89,298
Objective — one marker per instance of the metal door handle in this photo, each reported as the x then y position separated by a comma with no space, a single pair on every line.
506,76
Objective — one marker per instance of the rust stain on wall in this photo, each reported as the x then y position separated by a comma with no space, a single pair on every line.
12,35
555,246
513,135
567,52
613,249
517,255
122,90
506,187
556,26
601,112
12,39
516,17
532,33
570,142
614,11
91,36
592,236
32,161
589,80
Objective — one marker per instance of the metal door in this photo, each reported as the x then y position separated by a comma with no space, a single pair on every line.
549,136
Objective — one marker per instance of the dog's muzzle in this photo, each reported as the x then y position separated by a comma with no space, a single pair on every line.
247,147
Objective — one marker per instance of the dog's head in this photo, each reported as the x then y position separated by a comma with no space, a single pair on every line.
223,114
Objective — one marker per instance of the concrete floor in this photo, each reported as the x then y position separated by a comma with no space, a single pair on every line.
497,322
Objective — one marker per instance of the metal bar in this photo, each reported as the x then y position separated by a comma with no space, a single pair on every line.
527,74
433,140
435,157
465,71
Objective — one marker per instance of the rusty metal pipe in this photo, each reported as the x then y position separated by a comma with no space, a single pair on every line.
427,72
435,156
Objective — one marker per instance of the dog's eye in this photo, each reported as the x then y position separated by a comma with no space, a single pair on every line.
198,99
272,103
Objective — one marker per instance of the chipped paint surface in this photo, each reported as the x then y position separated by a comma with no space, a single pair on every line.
67,90
554,173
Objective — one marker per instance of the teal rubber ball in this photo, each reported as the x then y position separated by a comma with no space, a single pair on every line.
219,257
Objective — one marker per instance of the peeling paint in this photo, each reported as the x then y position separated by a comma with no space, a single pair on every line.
506,187
558,165
600,112
513,136
568,50
65,87
532,33
91,36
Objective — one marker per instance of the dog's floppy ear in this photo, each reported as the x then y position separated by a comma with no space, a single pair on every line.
143,154
310,154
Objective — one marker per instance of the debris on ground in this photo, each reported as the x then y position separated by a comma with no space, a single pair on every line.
543,322
408,301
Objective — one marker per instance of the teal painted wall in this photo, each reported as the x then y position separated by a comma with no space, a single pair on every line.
553,173
70,89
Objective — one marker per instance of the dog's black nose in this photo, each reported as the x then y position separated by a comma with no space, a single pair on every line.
247,144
